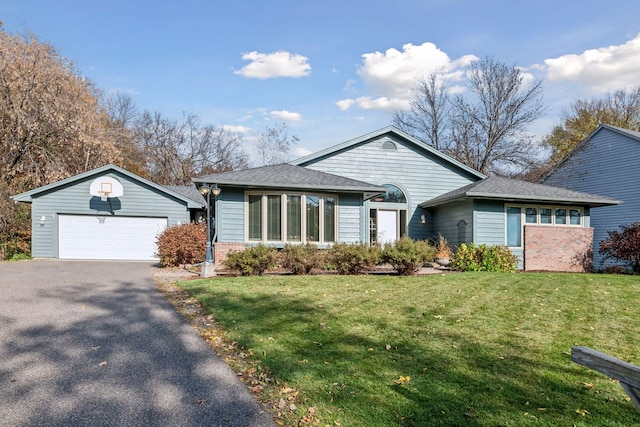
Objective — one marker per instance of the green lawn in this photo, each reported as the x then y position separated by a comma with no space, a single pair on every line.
480,349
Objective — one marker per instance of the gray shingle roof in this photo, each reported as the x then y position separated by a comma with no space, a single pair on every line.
188,191
507,189
288,176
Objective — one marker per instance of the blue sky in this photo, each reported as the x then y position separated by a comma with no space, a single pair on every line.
332,70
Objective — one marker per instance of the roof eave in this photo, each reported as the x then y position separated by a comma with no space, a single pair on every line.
595,202
27,196
266,185
442,201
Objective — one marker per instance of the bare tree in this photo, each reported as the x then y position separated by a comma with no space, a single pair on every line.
273,144
489,133
485,128
178,150
123,115
426,118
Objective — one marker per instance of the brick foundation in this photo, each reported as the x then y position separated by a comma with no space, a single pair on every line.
567,249
222,249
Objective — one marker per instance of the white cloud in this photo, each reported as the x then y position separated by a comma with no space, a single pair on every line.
345,104
276,64
302,152
368,103
599,70
392,75
236,129
286,115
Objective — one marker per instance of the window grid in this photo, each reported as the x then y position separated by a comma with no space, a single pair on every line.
519,215
282,218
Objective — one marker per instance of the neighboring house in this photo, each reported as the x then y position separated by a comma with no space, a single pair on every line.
605,163
373,189
426,193
70,222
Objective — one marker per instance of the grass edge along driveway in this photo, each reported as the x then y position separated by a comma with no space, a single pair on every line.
478,349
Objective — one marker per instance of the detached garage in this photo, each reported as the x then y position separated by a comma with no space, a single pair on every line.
105,214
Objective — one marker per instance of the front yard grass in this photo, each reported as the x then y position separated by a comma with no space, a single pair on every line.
472,349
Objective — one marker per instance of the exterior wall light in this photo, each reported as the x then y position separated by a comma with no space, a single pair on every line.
423,219
43,219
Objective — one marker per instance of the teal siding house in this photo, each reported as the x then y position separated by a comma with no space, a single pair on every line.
606,162
70,222
387,184
372,189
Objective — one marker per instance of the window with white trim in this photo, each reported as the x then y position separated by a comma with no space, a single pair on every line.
291,218
518,216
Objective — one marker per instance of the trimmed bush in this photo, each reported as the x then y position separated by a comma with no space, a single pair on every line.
182,244
253,261
484,258
301,259
408,256
353,259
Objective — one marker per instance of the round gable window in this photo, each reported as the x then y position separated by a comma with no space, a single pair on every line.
389,146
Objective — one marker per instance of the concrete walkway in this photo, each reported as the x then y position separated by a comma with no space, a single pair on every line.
86,343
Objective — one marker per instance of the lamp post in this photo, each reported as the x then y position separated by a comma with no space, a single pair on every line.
208,268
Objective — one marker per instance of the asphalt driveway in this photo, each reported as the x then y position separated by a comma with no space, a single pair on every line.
87,343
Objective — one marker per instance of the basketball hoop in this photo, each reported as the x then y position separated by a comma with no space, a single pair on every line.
106,187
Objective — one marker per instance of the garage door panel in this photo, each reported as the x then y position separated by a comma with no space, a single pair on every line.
108,237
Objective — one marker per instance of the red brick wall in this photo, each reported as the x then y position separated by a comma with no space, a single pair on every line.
221,251
558,248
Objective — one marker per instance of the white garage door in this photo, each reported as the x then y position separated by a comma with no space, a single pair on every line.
108,237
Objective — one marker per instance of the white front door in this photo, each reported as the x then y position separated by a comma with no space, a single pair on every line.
387,226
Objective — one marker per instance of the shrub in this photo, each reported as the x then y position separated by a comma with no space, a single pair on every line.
484,258
353,259
623,245
301,259
407,256
20,257
182,244
253,261
15,227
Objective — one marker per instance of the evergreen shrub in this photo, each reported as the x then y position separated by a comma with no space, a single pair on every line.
407,256
252,261
484,258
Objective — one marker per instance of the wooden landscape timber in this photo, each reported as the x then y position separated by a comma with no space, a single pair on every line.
627,373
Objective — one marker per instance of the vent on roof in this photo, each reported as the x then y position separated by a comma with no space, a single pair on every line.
388,145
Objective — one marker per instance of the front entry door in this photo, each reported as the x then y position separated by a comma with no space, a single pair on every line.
387,226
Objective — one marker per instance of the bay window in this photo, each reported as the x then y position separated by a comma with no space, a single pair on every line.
313,218
274,222
291,218
294,222
329,219
255,217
